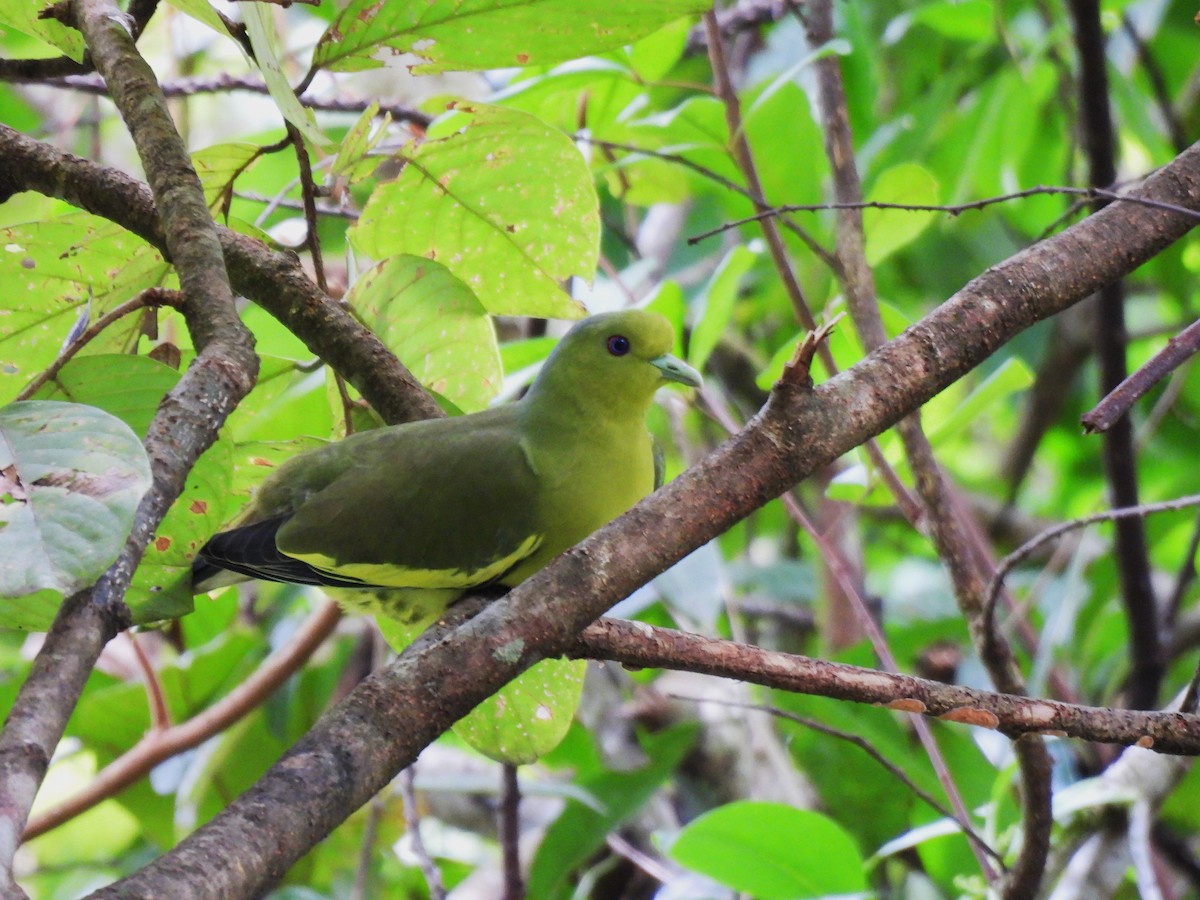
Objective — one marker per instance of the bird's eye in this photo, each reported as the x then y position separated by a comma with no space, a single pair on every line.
618,345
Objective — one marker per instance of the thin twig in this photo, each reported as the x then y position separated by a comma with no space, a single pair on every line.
641,645
952,209
361,889
1120,399
790,224
1184,579
1027,549
510,832
412,825
160,713
740,149
211,84
1158,84
656,869
308,194
151,297
340,212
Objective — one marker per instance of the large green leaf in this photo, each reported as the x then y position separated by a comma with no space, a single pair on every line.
61,274
433,322
126,386
72,477
23,16
529,716
480,203
771,851
490,34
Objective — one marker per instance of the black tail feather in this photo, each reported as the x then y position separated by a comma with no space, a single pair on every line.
251,550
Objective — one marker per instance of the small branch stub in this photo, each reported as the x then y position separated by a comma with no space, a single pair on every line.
798,372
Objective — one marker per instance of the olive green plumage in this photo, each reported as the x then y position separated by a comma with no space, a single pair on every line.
431,509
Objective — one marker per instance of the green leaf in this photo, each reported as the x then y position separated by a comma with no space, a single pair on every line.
352,161
655,55
125,386
717,304
962,20
668,301
518,355
32,613
268,54
774,370
770,851
253,461
1010,377
529,716
478,201
217,167
490,34
888,230
202,11
97,834
433,322
71,478
52,268
22,15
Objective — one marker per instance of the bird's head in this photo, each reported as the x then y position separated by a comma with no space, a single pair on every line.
620,356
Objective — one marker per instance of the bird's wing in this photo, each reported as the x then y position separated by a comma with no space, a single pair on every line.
446,504
250,550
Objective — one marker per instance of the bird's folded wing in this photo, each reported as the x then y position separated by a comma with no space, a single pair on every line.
251,551
434,507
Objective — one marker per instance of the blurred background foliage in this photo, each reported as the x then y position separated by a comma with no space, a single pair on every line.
667,785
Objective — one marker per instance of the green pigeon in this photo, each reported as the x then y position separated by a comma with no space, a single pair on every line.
411,517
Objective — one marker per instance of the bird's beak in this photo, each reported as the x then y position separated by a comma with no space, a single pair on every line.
674,369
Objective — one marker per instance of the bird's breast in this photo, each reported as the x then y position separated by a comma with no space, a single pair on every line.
586,484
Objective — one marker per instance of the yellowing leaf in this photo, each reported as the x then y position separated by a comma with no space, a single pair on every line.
490,34
481,202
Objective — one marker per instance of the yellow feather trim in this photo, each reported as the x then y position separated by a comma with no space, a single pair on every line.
395,576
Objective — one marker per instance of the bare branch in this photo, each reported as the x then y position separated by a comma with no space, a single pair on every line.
1120,399
646,646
